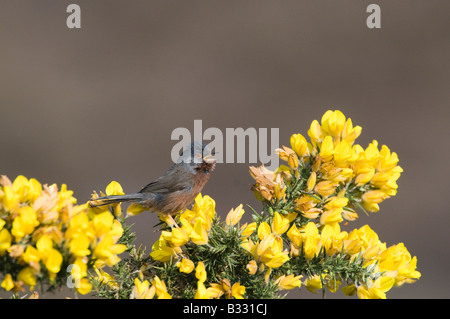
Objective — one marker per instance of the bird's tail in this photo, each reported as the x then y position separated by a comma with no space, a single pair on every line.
107,200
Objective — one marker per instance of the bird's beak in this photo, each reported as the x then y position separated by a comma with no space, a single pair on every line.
208,159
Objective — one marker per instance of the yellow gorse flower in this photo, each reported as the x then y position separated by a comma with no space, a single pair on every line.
5,241
24,223
146,290
142,290
202,292
310,240
160,288
377,289
313,284
234,216
85,286
106,279
177,237
28,277
248,229
237,291
200,272
186,265
280,224
199,234
224,288
288,282
300,145
269,251
252,267
311,182
201,275
7,283
163,251
398,262
269,185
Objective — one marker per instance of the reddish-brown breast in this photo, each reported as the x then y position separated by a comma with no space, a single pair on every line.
178,201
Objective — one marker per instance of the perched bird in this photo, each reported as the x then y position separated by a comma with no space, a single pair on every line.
174,191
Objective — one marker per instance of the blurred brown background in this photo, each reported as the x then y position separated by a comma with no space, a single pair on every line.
91,105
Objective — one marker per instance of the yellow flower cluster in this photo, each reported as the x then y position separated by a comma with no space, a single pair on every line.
268,250
338,161
216,290
143,290
195,225
324,181
394,263
341,174
42,229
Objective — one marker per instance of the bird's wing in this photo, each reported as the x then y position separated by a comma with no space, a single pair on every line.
175,179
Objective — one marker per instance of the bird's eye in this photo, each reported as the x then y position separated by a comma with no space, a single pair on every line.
198,155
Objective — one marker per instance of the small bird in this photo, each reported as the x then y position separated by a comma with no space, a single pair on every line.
174,191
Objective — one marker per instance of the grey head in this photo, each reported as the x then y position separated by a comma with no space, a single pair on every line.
195,154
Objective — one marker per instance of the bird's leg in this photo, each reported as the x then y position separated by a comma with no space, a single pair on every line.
174,223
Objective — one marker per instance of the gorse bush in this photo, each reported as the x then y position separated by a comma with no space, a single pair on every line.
295,240
43,231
